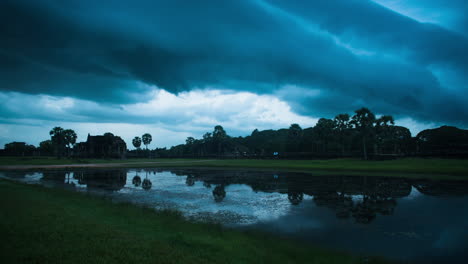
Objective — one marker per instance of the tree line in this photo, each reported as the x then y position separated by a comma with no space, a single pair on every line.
60,144
360,135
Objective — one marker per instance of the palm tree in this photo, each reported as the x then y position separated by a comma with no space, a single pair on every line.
70,139
147,139
136,142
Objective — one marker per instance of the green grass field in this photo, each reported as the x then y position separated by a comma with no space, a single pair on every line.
63,161
41,225
408,167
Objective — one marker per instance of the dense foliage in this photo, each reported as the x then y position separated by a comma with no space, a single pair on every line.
361,135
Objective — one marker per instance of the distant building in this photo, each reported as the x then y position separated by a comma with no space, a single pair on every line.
105,146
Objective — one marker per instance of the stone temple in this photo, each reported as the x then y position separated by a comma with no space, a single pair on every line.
105,146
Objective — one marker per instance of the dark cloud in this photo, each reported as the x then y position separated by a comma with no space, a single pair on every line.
450,14
355,52
370,26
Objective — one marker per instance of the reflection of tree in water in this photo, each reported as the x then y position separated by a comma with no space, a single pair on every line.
344,207
343,204
136,181
146,183
378,196
359,197
295,197
190,181
294,188
363,212
219,193
442,188
366,210
386,206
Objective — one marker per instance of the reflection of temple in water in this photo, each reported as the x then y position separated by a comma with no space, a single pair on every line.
361,198
110,180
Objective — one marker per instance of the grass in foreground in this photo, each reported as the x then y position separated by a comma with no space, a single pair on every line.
407,167
40,225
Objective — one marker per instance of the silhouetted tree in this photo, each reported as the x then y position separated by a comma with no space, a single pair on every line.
207,136
364,121
189,141
350,136
294,137
442,141
70,139
19,149
146,138
383,131
219,133
342,127
57,135
219,138
46,147
324,131
136,142
401,140
254,132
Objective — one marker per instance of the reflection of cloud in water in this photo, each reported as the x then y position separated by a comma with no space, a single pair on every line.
77,183
240,206
35,176
296,221
413,194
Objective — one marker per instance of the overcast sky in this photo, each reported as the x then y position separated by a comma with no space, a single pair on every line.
177,68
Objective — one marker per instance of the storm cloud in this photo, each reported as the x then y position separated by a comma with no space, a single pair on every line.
320,57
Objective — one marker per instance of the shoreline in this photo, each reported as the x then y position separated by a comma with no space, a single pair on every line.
91,165
38,228
408,168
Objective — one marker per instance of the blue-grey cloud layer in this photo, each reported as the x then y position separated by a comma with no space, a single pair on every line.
356,53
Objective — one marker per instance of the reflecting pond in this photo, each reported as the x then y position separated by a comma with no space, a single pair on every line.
406,219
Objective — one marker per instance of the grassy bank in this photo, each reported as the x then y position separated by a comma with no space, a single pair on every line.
40,225
64,161
408,167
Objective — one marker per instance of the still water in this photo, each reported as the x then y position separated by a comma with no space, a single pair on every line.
411,220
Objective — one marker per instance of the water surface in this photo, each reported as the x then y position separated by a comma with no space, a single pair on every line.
407,219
